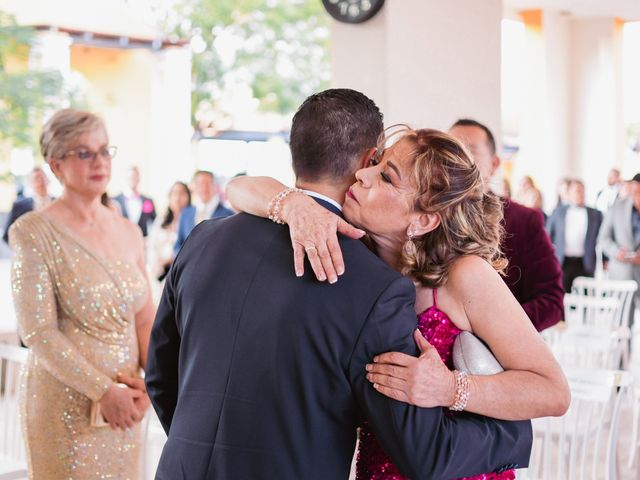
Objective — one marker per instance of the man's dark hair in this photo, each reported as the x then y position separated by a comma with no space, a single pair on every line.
468,122
330,132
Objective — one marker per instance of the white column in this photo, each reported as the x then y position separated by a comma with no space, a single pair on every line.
596,100
425,62
51,51
170,118
546,98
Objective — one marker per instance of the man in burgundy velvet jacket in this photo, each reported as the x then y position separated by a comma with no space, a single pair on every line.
534,275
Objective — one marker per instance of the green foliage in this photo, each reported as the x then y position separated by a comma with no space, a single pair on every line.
24,95
278,48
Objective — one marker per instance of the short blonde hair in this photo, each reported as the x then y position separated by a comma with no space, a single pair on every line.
63,127
449,184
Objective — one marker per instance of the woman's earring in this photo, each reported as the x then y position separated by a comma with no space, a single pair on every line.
409,246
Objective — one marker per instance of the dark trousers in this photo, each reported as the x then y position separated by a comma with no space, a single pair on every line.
572,267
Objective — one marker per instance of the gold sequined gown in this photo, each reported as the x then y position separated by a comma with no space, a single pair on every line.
76,314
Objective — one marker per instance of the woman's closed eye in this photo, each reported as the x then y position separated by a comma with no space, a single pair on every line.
385,177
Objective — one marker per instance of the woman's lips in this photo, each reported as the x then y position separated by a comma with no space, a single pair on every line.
351,195
97,178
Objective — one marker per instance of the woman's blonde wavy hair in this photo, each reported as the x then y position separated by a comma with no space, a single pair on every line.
448,184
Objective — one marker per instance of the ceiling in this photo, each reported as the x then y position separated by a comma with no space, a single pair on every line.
625,9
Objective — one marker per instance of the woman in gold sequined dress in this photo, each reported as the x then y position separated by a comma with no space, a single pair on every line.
85,312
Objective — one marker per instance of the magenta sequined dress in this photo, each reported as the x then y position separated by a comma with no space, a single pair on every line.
372,462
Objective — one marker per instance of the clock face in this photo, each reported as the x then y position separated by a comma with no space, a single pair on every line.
352,11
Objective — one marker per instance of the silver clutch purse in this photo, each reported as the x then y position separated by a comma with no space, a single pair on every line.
472,356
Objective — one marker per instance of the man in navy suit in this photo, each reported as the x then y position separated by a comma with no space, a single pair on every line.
257,374
533,274
573,229
138,208
38,185
206,205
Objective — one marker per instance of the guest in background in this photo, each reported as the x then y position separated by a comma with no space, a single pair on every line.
609,194
38,185
573,229
164,233
84,310
206,205
533,274
528,194
619,236
625,190
138,208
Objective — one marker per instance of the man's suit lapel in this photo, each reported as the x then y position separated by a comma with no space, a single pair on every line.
123,205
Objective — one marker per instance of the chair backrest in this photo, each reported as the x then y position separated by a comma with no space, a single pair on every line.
582,443
12,358
599,288
604,312
589,336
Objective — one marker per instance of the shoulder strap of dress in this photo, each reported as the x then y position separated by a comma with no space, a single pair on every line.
435,295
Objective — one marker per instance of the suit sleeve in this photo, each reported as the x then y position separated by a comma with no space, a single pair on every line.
153,213
426,443
541,276
13,215
161,375
606,237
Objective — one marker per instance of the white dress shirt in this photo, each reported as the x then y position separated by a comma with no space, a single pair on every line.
319,196
205,210
133,202
575,231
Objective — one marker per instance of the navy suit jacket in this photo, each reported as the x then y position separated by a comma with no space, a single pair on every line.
188,221
146,218
533,275
19,208
556,227
257,374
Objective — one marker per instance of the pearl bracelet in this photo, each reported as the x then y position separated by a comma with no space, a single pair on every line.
462,391
273,212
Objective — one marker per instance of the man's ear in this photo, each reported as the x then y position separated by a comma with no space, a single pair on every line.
366,158
495,164
424,223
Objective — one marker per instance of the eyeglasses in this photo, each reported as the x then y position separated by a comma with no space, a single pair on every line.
87,155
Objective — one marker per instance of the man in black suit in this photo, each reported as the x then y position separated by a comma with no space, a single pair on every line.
138,208
39,198
573,229
257,374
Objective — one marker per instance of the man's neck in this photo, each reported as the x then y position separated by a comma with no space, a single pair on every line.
335,192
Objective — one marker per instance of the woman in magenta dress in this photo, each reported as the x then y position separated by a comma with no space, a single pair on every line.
425,208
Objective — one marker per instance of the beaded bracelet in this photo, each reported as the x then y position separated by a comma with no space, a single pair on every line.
462,391
273,212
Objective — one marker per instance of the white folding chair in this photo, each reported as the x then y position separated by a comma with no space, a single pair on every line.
588,337
582,443
12,456
623,290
